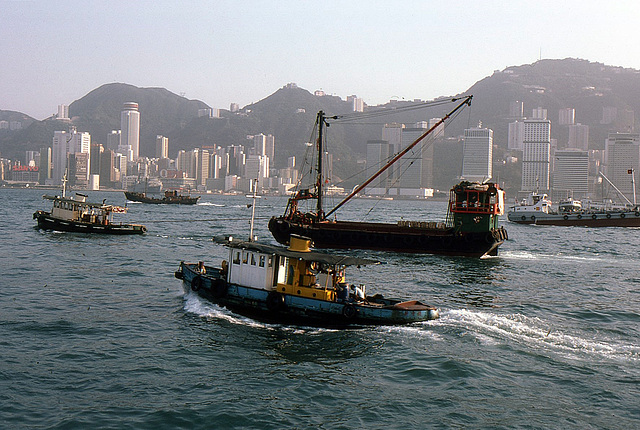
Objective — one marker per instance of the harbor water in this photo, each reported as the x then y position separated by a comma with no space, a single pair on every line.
96,332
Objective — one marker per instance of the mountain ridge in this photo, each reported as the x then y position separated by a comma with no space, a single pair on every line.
289,113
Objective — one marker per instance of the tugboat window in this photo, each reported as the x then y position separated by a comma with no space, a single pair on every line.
245,257
236,260
261,261
253,259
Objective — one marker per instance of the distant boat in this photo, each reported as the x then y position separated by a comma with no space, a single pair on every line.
170,198
78,215
471,227
295,285
537,209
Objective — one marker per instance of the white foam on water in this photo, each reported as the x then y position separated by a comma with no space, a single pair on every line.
490,328
210,204
195,304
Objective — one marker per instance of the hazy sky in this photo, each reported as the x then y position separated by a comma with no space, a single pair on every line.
55,52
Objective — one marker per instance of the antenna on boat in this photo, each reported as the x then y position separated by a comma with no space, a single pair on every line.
632,172
253,208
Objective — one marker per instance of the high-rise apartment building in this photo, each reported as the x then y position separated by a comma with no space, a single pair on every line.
536,155
113,140
162,147
570,174
567,116
477,154
130,128
516,136
579,137
622,154
516,109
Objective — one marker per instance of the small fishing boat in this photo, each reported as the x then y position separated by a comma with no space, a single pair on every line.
170,198
296,285
77,215
471,227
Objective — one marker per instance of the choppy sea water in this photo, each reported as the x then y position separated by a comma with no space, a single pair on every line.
95,332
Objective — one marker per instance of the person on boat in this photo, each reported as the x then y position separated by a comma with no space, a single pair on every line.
225,268
201,269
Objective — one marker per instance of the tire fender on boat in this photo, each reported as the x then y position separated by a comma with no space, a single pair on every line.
349,311
608,215
275,301
594,216
196,283
622,215
566,217
579,216
219,288
489,237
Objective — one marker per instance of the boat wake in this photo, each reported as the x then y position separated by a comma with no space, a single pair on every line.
526,255
197,305
210,204
494,329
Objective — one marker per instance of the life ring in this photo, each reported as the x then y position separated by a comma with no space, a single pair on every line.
622,215
219,288
608,215
196,283
349,311
594,216
566,217
579,216
275,302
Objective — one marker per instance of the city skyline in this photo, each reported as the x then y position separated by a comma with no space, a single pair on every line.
228,52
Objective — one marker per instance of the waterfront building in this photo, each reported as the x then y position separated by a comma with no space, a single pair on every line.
162,147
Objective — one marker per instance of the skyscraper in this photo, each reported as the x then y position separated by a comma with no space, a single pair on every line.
130,128
65,144
570,174
477,153
536,155
622,154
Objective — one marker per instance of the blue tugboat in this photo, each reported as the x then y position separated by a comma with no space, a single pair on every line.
296,285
